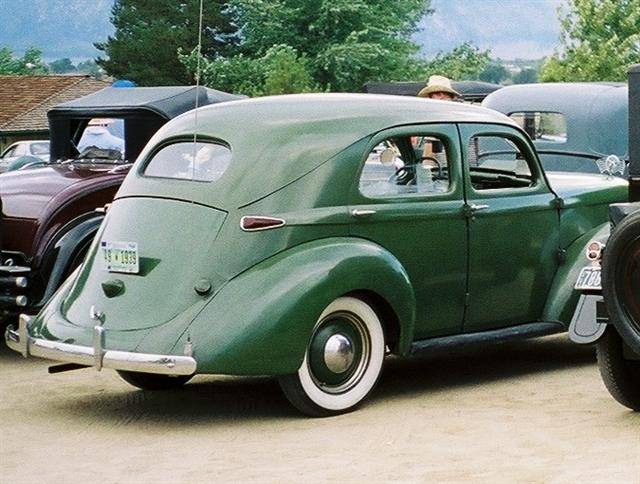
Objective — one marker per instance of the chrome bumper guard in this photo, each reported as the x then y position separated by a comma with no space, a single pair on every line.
96,356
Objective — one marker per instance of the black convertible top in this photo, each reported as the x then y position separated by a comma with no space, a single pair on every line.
167,102
144,110
474,91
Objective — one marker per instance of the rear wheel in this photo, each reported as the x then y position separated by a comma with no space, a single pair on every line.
621,279
621,375
152,381
342,362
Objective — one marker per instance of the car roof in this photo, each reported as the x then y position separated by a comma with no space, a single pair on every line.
596,113
275,140
357,114
474,91
561,96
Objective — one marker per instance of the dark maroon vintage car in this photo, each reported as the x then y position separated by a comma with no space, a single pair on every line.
51,211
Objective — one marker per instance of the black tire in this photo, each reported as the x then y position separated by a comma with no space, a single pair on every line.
621,279
342,363
151,381
621,376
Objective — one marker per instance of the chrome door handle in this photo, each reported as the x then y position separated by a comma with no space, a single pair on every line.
362,213
477,208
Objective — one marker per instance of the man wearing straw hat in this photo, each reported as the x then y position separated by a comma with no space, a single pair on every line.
439,87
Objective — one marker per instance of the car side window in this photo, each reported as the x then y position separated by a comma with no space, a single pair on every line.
20,150
497,162
401,165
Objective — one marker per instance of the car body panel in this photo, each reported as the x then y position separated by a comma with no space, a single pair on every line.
596,115
419,230
41,203
562,298
25,149
49,197
298,159
513,243
288,138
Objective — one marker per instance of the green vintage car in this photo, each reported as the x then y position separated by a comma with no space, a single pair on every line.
307,236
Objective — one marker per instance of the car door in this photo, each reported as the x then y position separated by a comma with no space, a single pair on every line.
414,209
513,228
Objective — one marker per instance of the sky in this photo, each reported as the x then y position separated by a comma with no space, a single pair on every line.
527,29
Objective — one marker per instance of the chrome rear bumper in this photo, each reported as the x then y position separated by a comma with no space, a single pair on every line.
96,355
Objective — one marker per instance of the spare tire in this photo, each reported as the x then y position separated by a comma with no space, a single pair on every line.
621,279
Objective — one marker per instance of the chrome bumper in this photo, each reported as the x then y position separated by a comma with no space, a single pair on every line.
96,355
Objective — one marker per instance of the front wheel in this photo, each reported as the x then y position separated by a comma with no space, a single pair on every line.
151,381
342,362
621,374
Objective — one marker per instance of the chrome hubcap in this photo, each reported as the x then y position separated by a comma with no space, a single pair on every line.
338,353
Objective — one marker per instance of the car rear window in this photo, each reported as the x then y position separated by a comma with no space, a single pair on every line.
542,126
201,161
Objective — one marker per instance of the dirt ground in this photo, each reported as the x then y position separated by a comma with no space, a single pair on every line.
532,411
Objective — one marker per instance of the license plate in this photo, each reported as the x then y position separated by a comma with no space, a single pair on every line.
120,256
589,279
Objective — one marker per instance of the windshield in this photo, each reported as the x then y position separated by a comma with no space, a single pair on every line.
102,139
40,148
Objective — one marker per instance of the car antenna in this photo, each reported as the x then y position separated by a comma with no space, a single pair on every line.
195,131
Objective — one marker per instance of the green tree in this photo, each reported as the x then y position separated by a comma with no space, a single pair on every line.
464,62
62,66
280,71
30,63
337,44
149,33
599,39
526,76
90,67
494,72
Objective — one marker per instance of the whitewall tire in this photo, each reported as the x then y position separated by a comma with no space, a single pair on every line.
342,362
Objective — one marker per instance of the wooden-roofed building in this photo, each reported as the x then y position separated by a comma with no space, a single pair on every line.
25,100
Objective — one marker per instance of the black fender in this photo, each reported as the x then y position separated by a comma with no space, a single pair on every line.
63,248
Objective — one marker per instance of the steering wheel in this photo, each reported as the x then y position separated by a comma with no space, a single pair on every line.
435,162
405,175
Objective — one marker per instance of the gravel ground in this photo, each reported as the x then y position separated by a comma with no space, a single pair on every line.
532,411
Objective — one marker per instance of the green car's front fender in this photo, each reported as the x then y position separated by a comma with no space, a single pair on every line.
563,298
260,322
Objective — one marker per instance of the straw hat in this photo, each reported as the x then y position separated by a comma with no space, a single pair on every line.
438,84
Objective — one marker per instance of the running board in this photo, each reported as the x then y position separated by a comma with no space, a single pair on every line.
514,333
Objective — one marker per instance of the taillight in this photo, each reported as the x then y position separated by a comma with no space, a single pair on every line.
594,251
253,223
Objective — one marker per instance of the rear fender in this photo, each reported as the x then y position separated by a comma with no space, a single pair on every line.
260,322
563,298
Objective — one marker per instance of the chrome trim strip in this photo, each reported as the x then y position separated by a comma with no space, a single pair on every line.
84,355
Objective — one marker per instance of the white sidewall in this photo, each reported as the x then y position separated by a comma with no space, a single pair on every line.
351,397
